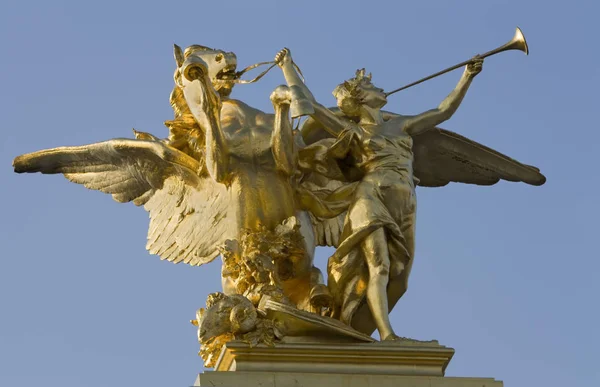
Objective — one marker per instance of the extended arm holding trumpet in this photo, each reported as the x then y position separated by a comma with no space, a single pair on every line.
434,117
417,124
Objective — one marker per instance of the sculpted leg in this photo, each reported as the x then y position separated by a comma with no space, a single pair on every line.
376,253
282,140
319,293
320,297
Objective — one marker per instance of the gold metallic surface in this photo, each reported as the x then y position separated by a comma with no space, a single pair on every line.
234,181
374,254
408,357
227,318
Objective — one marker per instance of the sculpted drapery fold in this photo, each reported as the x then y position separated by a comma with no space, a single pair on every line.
389,155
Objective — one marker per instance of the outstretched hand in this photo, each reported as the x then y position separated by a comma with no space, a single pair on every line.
475,66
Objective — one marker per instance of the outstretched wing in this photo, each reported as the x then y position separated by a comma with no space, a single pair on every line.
442,156
188,213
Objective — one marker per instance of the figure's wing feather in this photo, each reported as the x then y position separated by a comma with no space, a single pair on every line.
442,156
188,224
130,170
188,213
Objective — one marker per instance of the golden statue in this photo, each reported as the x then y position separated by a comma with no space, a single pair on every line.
224,170
233,181
375,248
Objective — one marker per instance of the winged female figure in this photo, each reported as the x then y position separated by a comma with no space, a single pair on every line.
389,155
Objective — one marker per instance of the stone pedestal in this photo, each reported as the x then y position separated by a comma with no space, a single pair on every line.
279,379
405,363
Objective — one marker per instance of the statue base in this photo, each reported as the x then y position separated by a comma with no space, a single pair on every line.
383,364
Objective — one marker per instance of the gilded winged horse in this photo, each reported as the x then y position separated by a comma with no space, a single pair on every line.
224,169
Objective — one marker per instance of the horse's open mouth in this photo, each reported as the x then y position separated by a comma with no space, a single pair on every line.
228,73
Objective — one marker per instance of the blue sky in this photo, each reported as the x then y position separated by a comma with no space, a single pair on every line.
506,275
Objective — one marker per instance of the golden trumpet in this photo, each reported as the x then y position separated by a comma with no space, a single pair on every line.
518,42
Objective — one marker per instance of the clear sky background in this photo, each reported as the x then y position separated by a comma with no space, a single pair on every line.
507,275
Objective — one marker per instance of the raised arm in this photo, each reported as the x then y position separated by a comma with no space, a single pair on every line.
205,104
422,122
300,93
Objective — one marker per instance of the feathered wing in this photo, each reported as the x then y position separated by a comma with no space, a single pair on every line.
442,156
189,214
188,224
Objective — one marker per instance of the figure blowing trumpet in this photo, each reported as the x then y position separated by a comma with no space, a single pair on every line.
301,107
390,154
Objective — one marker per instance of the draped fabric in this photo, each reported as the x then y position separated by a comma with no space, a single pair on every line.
384,197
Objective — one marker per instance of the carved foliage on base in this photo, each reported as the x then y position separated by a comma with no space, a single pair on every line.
260,260
256,265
